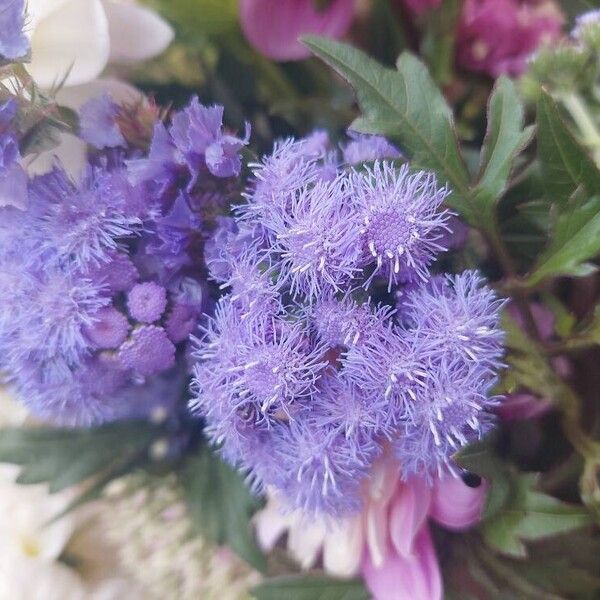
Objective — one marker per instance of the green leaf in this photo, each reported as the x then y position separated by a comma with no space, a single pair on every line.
479,458
504,140
65,457
310,587
406,106
566,164
220,504
574,240
531,515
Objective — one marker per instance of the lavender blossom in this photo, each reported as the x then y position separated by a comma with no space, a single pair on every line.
453,410
13,42
98,123
13,180
368,148
458,317
403,225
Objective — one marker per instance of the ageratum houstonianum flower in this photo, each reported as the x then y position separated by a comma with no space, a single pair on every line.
103,281
13,41
303,379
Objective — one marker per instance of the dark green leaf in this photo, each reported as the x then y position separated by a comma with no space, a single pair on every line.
531,515
65,457
566,164
220,504
310,587
406,106
504,139
575,239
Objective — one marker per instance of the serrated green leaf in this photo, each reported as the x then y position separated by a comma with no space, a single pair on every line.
221,505
504,139
406,106
310,587
566,164
65,457
531,515
575,239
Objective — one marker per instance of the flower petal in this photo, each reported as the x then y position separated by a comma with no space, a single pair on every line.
40,9
415,577
136,33
71,44
455,505
342,551
305,541
274,26
408,512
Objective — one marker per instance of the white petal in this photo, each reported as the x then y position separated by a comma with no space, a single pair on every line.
305,541
342,551
70,152
376,523
270,524
40,9
73,40
77,95
136,33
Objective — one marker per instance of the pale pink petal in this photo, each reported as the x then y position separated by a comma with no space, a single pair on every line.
413,577
342,551
70,42
136,33
384,478
40,9
274,26
409,509
305,541
270,524
376,525
455,505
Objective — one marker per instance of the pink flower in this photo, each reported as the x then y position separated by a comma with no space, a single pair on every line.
389,542
498,36
274,26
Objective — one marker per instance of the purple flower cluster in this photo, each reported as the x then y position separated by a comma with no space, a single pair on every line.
307,371
13,42
103,279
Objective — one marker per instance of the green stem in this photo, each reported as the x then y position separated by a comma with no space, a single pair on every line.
583,119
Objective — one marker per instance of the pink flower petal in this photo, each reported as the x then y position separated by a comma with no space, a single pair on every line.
414,577
455,505
274,26
409,509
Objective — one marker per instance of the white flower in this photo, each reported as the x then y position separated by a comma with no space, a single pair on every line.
72,41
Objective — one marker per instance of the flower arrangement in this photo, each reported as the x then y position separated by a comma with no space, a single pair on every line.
265,334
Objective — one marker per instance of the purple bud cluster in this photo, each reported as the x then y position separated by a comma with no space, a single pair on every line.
333,340
103,279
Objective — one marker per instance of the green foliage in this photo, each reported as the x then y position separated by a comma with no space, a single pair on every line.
515,511
575,238
65,457
504,140
565,163
406,106
220,504
309,587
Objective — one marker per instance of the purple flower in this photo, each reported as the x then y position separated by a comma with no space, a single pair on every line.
13,180
274,26
13,42
454,409
98,123
197,133
402,224
458,317
316,241
148,351
147,301
586,24
368,148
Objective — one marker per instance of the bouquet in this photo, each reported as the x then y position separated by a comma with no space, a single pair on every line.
299,299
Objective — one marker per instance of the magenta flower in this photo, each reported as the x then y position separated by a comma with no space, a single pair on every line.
274,26
498,36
